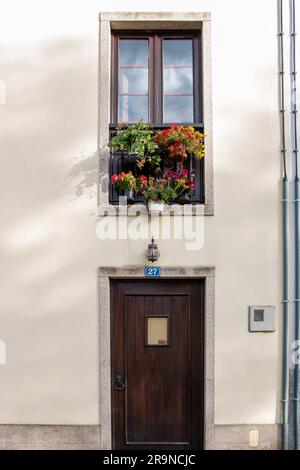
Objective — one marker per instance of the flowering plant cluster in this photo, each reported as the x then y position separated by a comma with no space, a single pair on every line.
159,190
124,181
168,188
184,140
128,182
183,181
162,153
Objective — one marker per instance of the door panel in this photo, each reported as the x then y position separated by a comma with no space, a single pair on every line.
161,403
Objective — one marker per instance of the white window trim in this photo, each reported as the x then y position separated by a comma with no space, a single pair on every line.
136,21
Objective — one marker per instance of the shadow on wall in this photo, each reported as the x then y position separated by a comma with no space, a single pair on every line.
85,174
49,118
47,244
49,121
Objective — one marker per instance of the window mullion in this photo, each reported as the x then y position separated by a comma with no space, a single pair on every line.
114,80
151,79
158,118
197,78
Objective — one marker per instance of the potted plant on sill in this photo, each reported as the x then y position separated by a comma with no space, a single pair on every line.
138,141
183,183
157,193
126,185
178,142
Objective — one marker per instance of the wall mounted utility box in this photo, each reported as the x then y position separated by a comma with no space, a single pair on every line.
261,319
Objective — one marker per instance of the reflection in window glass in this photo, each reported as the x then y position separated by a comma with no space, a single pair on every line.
178,109
178,102
157,331
134,52
178,81
133,81
178,52
133,86
133,108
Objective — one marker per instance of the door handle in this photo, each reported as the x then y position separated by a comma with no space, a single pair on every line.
119,383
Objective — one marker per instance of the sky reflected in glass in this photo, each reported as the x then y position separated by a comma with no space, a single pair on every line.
133,80
133,108
133,52
178,109
178,80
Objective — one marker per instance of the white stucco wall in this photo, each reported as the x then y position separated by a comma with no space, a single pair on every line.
49,250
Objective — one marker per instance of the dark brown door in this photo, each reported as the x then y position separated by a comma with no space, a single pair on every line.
157,364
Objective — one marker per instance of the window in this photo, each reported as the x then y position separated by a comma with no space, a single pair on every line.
178,94
133,80
157,331
146,26
156,78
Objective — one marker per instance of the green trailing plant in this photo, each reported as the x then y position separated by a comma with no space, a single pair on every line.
138,140
158,190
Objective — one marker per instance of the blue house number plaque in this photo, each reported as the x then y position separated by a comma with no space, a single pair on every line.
152,271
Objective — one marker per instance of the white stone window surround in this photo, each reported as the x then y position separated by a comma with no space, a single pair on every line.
137,21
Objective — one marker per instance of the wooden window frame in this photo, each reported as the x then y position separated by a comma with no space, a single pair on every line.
155,93
155,39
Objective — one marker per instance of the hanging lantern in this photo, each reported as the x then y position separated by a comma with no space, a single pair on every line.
152,253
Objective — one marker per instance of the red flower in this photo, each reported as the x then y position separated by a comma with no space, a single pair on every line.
143,179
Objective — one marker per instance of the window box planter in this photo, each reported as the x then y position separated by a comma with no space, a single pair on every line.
156,207
155,165
127,197
184,198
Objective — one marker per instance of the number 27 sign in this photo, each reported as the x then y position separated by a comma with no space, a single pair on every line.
152,271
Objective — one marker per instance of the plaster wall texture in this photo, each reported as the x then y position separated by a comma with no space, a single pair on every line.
50,255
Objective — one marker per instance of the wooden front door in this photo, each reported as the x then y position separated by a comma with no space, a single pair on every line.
157,364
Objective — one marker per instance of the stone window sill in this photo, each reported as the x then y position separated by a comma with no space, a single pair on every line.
172,210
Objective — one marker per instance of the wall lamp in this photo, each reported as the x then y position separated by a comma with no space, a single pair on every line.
152,253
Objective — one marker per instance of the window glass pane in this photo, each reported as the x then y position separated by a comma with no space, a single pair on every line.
178,109
178,80
133,88
133,52
178,52
133,81
133,108
157,331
